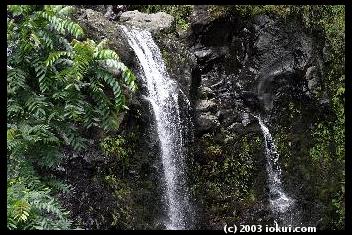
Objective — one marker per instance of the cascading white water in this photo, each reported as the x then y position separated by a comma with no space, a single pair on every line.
279,201
163,96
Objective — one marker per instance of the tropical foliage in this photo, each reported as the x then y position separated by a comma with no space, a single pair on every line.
30,205
58,87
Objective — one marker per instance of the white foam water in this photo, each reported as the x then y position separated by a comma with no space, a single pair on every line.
279,201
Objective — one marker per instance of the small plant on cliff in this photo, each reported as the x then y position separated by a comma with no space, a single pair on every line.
114,146
120,148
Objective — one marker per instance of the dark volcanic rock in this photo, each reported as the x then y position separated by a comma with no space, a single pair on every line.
245,66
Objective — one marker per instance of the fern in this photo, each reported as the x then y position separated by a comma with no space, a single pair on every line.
65,10
21,210
16,79
58,87
17,10
38,106
57,185
113,83
130,79
31,206
105,54
54,56
62,25
45,39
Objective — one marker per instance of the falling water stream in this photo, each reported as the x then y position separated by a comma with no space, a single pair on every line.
280,203
163,96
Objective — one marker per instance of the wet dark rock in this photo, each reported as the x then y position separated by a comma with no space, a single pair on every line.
230,116
98,8
202,54
114,12
258,67
206,122
206,92
250,100
236,127
258,214
282,53
178,60
205,105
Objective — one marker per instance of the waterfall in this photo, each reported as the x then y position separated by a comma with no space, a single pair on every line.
280,203
163,96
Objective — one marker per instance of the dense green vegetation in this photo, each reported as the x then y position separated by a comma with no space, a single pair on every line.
59,87
215,177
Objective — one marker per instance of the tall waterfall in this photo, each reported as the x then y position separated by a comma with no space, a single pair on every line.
280,203
163,96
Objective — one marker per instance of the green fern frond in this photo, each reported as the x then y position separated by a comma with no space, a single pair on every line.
25,47
46,39
16,79
106,54
41,74
111,80
21,210
63,25
65,44
30,202
17,10
130,79
35,39
60,95
72,139
73,28
11,223
38,106
54,8
14,110
56,89
11,133
54,56
65,11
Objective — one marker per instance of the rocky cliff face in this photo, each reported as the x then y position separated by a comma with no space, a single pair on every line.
263,66
227,67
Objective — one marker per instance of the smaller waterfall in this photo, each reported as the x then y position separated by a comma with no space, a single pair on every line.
279,201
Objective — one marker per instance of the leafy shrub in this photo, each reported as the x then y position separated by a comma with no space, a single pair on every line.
58,86
31,206
114,146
